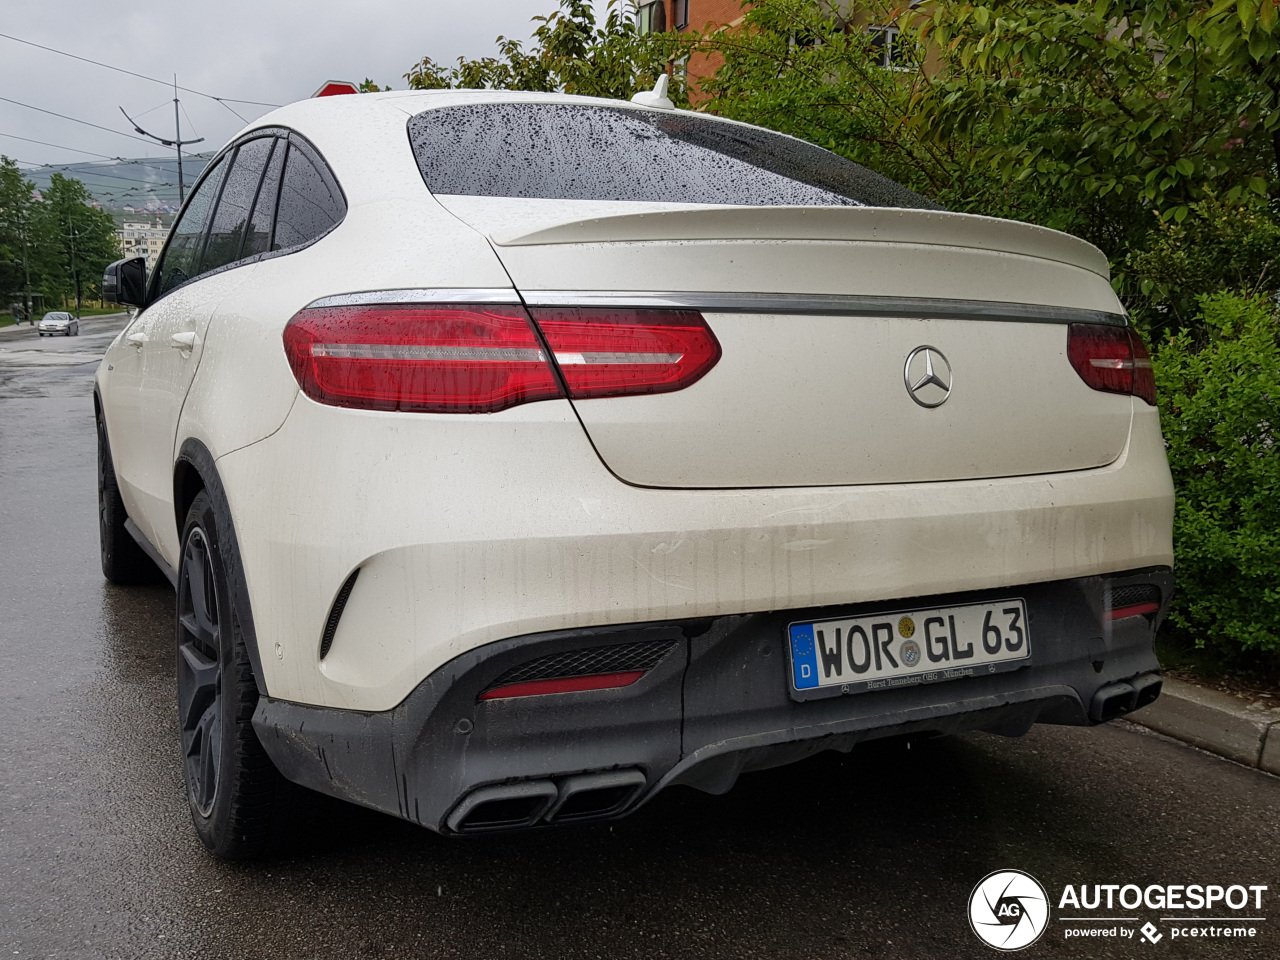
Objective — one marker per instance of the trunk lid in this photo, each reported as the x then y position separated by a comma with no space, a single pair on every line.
830,320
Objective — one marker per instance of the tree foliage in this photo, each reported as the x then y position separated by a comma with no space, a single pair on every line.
61,237
75,241
1124,117
15,204
570,53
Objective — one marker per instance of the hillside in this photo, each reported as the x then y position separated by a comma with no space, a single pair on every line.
142,183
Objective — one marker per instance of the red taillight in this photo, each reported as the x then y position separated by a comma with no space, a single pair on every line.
419,357
480,359
536,688
1113,359
611,353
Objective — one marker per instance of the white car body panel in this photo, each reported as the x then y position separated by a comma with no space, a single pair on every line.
146,397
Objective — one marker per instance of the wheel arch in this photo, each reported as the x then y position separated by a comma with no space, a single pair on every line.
195,470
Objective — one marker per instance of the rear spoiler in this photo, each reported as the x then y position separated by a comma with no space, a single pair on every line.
866,224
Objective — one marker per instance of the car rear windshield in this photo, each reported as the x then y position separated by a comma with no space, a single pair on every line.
581,152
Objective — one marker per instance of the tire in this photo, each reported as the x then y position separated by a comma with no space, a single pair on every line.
236,795
123,561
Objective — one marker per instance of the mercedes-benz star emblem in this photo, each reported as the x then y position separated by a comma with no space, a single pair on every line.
927,375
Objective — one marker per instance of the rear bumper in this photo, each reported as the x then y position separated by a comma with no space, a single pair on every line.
469,530
715,706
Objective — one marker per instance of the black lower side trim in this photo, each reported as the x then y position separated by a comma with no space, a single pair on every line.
714,707
170,574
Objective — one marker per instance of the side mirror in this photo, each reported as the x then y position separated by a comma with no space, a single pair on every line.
125,282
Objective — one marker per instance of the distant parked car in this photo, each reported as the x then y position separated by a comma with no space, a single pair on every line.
516,456
59,321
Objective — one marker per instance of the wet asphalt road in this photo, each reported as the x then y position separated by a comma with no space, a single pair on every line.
870,854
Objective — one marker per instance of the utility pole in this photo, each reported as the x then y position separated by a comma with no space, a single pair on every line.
75,274
26,269
177,129
177,142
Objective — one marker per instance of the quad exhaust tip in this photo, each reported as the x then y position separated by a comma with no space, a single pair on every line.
510,806
1117,699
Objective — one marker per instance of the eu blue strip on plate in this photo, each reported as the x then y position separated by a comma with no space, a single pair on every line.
804,658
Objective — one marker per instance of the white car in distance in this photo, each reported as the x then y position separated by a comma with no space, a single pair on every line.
516,456
57,322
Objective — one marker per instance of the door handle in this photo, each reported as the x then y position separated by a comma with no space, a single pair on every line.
183,341
136,339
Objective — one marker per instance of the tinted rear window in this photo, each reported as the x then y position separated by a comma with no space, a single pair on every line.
310,202
571,152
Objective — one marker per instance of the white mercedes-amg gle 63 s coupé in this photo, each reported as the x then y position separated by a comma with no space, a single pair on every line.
515,456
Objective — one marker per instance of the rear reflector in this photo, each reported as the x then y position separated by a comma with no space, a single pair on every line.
1136,610
534,688
419,357
611,353
1112,359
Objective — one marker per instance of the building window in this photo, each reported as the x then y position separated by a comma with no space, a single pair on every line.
651,18
892,51
680,14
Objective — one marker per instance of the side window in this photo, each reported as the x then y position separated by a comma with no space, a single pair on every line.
182,256
258,239
310,202
230,223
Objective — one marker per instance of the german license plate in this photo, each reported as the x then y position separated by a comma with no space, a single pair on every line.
907,647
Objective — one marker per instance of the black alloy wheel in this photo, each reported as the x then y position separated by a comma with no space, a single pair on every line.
200,671
238,799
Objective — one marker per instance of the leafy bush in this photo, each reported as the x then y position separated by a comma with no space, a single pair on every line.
1217,247
1220,408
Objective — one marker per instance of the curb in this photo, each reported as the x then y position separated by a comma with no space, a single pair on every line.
1217,722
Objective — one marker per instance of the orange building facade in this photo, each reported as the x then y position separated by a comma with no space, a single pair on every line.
681,15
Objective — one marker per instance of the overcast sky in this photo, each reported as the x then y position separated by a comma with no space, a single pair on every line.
274,51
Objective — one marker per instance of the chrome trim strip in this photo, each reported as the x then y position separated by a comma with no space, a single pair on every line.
817,304
421,295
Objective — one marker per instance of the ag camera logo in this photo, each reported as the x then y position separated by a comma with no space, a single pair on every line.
1008,910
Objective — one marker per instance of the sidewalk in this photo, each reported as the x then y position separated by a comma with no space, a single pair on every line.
1247,733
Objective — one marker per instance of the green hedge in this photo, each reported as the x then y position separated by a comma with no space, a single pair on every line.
1220,411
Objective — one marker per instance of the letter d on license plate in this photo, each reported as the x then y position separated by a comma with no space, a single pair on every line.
907,647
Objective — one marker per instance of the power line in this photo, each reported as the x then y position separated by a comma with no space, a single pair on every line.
140,76
44,143
112,176
190,122
163,103
107,190
63,116
87,163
